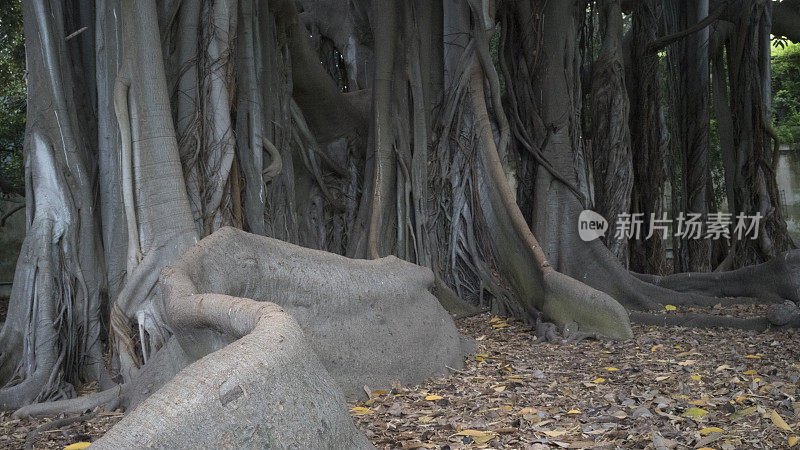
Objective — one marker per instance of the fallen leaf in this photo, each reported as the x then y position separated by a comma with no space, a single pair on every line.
494,319
555,433
360,411
77,446
753,356
598,380
696,377
688,362
434,397
574,411
793,441
479,437
611,369
670,307
750,372
778,421
745,412
695,413
709,430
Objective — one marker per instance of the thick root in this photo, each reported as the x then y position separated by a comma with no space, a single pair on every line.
775,280
109,397
267,388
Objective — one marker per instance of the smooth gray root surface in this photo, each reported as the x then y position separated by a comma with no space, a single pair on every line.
267,389
268,340
370,322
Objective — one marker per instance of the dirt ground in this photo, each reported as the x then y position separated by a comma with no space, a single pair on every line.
666,388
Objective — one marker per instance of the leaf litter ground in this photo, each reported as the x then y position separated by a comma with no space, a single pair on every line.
666,388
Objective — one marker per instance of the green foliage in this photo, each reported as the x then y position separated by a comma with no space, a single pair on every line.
12,92
786,92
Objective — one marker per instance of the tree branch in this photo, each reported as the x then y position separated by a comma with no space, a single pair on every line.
664,41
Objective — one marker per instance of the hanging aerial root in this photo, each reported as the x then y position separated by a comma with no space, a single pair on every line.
122,110
276,162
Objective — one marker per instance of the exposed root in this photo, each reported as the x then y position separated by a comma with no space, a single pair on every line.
105,398
772,281
700,321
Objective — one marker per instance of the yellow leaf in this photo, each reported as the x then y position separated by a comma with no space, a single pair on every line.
745,412
656,347
611,369
77,446
670,307
598,380
696,377
479,437
494,319
360,411
500,325
750,372
434,397
695,413
471,433
741,398
709,430
482,439
574,411
753,356
793,441
778,421
555,433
